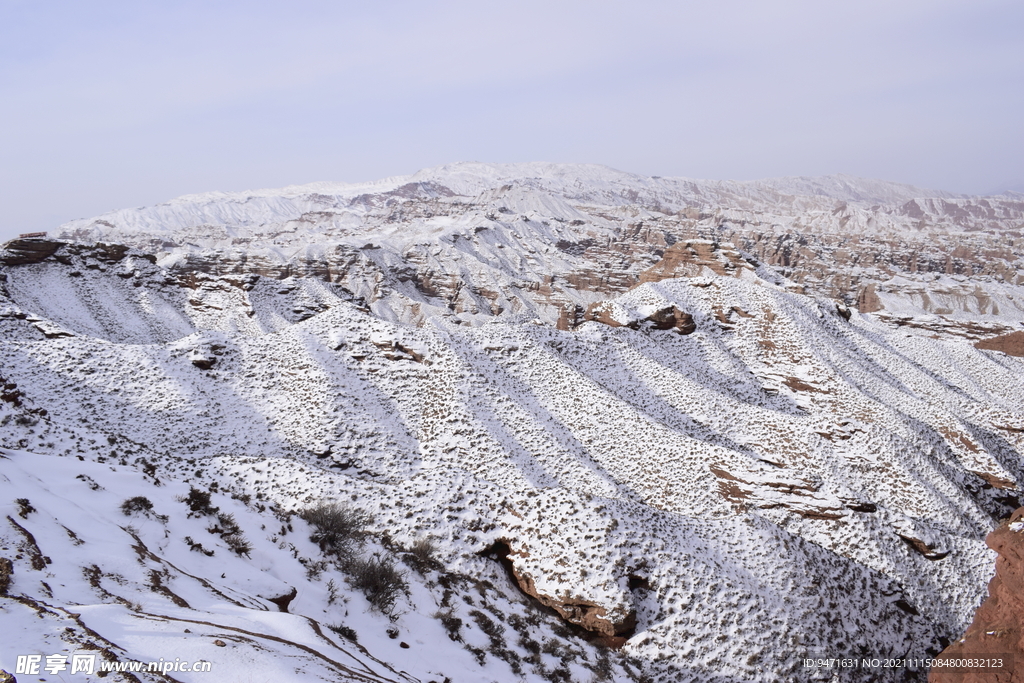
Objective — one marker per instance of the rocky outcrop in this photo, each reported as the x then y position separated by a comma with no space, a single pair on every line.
583,613
25,251
775,487
666,318
609,629
997,631
671,318
1011,344
920,538
690,258
202,361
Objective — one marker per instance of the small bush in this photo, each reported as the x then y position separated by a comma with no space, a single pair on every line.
229,530
136,504
198,502
603,667
6,571
338,529
225,526
197,547
421,555
380,582
313,568
481,656
238,545
493,630
452,624
24,508
344,632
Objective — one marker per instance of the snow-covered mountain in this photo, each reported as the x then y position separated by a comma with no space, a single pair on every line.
470,238
612,427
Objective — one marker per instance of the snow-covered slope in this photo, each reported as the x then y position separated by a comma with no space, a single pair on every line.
611,427
701,465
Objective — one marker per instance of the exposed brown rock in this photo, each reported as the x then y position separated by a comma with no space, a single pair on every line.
566,318
671,318
868,301
780,488
998,626
395,350
1011,344
668,318
684,259
797,384
601,312
583,613
22,252
588,615
997,482
919,546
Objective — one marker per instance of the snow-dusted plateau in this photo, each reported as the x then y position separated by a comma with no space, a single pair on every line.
509,423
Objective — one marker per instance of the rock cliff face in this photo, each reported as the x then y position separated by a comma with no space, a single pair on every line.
997,632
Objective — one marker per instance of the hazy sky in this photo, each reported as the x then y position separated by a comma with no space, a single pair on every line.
111,104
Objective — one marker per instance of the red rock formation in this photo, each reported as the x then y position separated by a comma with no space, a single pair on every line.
671,318
998,626
780,488
1011,344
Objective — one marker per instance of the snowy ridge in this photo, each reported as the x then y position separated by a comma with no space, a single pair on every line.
478,240
582,183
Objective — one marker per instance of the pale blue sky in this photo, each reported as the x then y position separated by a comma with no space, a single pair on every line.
111,104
